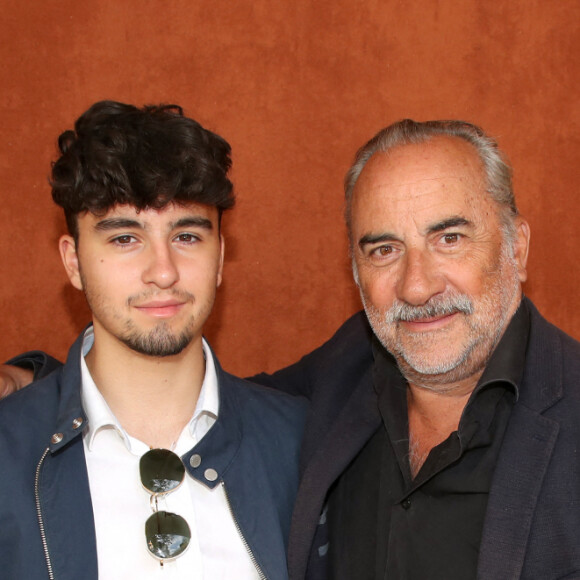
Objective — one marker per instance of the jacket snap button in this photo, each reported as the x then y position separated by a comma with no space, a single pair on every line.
77,423
195,460
210,474
57,438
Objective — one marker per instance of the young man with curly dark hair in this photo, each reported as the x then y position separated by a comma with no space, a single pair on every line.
142,458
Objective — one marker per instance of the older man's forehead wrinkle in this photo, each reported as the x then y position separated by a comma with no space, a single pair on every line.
435,178
403,192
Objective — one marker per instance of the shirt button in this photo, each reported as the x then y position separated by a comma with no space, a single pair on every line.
195,460
406,504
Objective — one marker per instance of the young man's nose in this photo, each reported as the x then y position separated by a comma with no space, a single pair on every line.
160,268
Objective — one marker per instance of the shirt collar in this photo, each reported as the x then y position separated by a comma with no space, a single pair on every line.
507,361
101,418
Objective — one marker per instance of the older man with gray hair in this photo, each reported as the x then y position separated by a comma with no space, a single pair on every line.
445,440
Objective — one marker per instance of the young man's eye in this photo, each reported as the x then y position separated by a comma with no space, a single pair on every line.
187,238
123,240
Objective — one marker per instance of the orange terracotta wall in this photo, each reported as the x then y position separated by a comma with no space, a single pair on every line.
296,87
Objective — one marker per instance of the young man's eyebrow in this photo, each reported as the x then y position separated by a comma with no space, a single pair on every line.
451,222
193,221
117,224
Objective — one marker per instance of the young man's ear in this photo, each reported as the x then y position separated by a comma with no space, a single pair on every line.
221,265
68,255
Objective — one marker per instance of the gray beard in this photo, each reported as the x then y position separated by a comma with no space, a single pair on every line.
485,331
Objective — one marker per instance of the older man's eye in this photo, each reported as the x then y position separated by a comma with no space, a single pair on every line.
383,250
451,238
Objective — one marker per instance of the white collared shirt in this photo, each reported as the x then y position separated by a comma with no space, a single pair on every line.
121,504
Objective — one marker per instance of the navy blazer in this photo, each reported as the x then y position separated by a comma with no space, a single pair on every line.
532,524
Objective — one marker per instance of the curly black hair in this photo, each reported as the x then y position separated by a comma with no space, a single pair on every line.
145,157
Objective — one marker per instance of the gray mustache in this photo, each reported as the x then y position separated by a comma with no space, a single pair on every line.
437,306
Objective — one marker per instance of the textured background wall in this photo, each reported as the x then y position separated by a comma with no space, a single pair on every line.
296,87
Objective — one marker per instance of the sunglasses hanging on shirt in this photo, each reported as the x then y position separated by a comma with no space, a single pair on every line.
167,534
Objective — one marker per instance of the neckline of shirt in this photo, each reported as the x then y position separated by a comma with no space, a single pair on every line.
101,418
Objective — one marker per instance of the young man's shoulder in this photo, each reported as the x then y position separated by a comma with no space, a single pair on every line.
263,412
259,398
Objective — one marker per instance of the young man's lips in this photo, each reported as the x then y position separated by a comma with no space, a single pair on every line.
432,323
159,309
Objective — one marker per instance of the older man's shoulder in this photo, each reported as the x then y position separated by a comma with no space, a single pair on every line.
547,335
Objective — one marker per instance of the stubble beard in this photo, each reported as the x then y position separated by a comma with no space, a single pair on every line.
421,356
159,342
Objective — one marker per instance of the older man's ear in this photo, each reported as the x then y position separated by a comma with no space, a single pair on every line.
522,247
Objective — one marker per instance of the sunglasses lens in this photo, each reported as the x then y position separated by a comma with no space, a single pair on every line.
167,535
161,470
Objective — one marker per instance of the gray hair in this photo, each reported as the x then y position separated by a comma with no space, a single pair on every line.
497,170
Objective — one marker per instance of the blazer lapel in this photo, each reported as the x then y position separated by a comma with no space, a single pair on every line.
356,422
525,454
